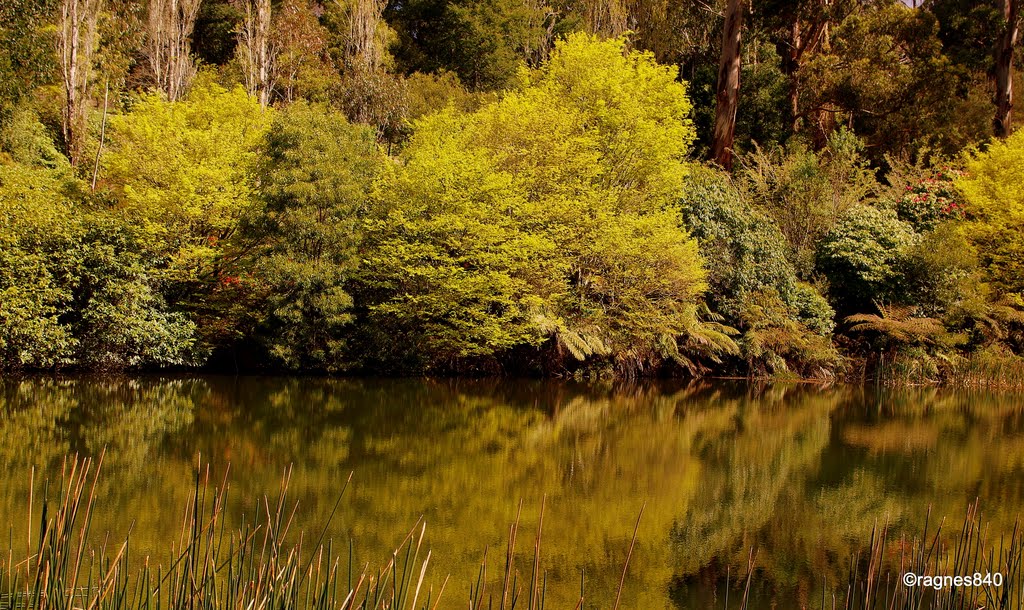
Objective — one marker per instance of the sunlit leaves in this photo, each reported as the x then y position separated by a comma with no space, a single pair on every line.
184,171
317,178
995,209
543,215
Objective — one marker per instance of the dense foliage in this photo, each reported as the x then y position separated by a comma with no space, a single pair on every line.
543,216
485,186
863,257
994,198
75,288
318,175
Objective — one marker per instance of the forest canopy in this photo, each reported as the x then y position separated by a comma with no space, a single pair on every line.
562,187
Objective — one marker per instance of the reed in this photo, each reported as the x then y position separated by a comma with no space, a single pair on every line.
988,369
250,568
209,568
874,585
254,567
906,367
991,369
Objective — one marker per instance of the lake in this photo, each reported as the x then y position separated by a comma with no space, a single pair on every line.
799,473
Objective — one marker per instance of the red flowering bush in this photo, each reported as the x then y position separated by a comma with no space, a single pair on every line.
932,200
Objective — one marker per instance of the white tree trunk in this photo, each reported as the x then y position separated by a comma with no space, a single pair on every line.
256,52
608,18
76,46
362,52
167,44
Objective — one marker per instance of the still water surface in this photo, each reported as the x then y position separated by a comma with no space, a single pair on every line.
799,473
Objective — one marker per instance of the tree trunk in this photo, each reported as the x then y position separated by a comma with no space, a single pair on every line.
76,44
808,31
1002,126
167,44
607,18
793,69
363,52
728,91
256,52
103,135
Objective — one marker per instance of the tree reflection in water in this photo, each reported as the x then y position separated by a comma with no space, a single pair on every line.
800,472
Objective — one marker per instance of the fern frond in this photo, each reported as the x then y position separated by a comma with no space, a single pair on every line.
899,324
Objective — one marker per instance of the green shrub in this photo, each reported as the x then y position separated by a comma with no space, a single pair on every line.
744,249
75,289
184,172
942,274
36,232
806,192
786,323
931,200
994,204
864,258
118,316
776,342
318,175
25,140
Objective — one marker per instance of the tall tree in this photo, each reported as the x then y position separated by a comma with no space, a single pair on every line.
606,17
1004,68
800,28
370,94
803,40
76,47
481,41
215,36
728,90
884,75
309,230
256,52
26,49
363,51
302,65
167,44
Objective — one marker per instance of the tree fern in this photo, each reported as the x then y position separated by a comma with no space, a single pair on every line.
775,343
580,343
899,325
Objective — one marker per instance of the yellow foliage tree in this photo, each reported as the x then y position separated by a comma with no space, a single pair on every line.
994,200
184,171
546,215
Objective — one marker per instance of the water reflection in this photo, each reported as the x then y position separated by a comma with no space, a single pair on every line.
801,473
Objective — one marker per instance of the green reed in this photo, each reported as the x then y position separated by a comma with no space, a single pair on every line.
988,369
873,584
252,567
913,367
249,568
